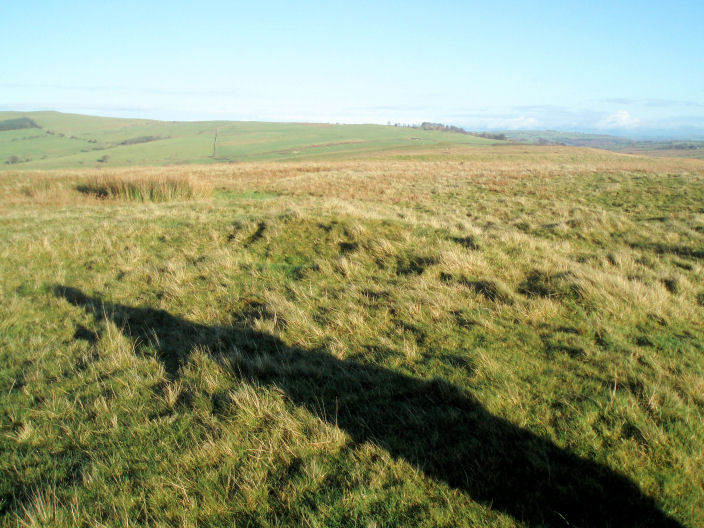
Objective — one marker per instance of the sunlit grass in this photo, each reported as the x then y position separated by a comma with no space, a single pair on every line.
159,188
559,288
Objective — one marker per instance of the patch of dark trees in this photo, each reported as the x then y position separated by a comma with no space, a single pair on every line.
17,124
140,139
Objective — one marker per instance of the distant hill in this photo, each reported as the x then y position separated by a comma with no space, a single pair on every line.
556,137
678,148
45,140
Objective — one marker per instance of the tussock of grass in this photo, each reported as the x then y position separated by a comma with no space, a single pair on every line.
160,188
493,290
540,283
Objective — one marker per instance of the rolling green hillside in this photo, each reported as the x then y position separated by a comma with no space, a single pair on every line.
71,141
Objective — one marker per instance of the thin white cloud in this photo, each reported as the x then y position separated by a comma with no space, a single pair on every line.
619,120
651,102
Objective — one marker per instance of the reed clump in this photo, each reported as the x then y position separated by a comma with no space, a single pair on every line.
143,188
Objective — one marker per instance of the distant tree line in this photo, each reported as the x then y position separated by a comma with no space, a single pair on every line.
489,135
683,146
140,139
427,125
441,128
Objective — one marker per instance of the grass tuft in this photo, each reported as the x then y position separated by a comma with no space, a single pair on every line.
493,290
159,188
551,284
700,298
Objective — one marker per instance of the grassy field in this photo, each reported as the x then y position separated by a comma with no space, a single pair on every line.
72,141
456,336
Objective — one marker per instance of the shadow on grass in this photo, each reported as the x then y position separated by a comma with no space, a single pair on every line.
433,425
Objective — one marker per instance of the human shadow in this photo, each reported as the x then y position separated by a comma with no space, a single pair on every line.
437,427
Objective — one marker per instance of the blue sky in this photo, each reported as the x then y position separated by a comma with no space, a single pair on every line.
611,66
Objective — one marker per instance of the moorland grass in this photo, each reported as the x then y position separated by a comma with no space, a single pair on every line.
509,337
161,188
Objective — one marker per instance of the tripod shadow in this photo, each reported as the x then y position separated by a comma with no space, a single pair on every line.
433,425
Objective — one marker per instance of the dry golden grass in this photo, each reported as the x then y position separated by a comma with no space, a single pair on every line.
414,178
144,188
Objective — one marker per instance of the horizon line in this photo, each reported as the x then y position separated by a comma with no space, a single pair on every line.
634,134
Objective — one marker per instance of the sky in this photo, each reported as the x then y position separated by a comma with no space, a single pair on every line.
623,67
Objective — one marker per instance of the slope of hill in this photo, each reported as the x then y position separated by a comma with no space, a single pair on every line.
71,141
